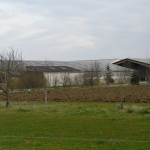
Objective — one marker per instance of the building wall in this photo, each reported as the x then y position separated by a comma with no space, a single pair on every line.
62,79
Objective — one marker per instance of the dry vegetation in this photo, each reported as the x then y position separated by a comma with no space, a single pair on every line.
108,94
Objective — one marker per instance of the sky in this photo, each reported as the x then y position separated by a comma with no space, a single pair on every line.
76,29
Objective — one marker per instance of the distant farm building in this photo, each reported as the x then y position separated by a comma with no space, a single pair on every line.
59,73
142,67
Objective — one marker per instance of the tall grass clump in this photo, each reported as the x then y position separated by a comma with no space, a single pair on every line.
130,111
145,111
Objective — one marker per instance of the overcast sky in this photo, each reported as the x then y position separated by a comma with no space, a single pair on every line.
76,29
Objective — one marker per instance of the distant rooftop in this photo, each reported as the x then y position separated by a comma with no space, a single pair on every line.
51,69
133,63
82,64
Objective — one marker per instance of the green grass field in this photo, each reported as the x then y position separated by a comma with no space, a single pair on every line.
70,125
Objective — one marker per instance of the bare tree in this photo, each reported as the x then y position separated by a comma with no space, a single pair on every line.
92,75
78,79
66,79
10,66
32,80
55,81
97,72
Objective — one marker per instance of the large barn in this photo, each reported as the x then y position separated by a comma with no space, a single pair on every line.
57,71
57,75
141,66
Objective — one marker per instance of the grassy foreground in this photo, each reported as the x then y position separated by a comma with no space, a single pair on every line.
70,125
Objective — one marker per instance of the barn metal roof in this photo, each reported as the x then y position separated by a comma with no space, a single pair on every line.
132,63
51,69
82,65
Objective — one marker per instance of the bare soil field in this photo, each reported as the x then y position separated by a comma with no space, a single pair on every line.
96,94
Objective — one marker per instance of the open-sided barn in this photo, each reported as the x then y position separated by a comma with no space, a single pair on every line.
141,66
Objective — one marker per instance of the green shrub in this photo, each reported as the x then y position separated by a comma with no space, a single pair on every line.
23,110
130,111
108,75
145,111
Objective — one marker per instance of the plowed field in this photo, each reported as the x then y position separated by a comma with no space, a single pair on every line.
108,94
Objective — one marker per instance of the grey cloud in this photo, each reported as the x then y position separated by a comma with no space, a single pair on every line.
76,29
